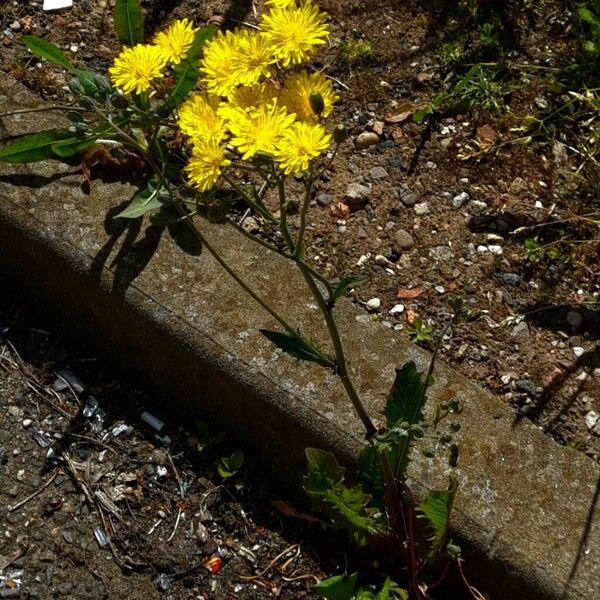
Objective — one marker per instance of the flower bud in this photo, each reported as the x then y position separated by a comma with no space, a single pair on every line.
76,88
317,103
340,134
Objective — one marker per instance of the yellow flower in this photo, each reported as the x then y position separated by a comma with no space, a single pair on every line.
199,118
254,57
295,32
299,145
259,130
205,165
176,40
248,98
297,90
219,64
136,67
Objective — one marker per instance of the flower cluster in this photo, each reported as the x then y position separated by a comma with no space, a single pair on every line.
249,107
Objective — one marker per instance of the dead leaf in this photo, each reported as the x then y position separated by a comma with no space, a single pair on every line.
411,316
289,511
399,118
340,210
100,155
409,294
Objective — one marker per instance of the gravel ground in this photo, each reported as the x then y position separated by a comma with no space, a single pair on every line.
97,503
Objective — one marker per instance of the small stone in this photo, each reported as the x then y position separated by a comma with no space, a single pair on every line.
440,253
366,139
378,173
381,260
403,240
494,249
361,233
482,249
374,304
478,207
250,224
521,330
397,309
73,48
362,260
422,208
460,199
525,385
324,199
407,197
378,127
440,289
15,26
578,351
27,423
356,193
591,419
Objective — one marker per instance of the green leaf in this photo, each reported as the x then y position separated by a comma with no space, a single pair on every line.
298,346
436,508
185,74
144,201
47,50
36,146
230,465
384,593
339,587
347,506
129,22
406,398
345,284
370,473
71,147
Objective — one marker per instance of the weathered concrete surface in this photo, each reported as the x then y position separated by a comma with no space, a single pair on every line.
527,510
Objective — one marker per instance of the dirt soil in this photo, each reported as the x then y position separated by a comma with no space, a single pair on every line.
96,502
449,204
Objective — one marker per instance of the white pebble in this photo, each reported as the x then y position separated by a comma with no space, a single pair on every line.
362,260
374,304
382,260
591,419
397,309
440,289
482,249
494,249
578,351
27,423
538,204
74,48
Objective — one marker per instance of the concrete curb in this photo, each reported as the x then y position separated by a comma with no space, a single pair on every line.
528,513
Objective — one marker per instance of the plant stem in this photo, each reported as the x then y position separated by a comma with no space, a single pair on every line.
327,311
24,111
258,209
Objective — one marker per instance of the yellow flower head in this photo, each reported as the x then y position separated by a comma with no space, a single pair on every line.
248,98
176,40
259,130
299,145
136,67
254,57
219,64
297,90
198,118
295,32
205,165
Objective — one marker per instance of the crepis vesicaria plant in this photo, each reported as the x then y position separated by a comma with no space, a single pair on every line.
197,112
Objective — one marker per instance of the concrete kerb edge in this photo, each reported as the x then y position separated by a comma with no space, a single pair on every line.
194,370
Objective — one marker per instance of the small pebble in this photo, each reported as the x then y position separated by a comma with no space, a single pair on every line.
404,240
374,304
27,423
578,351
422,208
440,289
15,26
397,309
494,249
591,419
460,199
378,173
366,139
324,199
357,193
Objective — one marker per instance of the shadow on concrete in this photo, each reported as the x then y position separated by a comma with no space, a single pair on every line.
32,181
135,252
583,544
